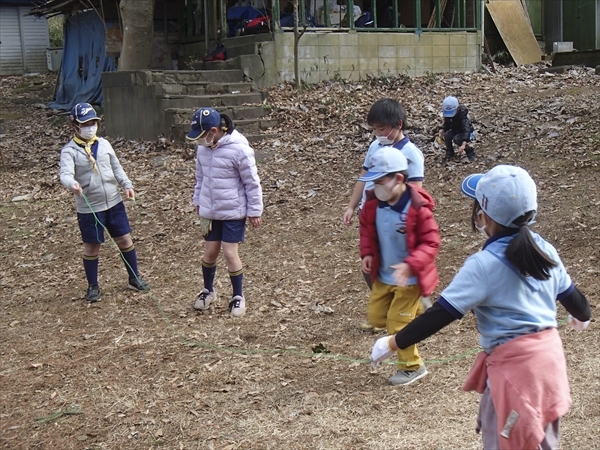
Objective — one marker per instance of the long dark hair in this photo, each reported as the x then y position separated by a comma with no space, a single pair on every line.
523,252
226,124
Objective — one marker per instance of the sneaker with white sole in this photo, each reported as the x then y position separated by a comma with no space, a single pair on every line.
237,306
93,293
138,284
404,377
204,299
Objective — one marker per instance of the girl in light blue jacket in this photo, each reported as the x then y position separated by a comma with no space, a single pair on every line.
227,192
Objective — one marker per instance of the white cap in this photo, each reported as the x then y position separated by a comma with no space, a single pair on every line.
450,106
384,161
505,193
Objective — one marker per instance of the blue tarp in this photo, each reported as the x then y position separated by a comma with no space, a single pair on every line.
84,60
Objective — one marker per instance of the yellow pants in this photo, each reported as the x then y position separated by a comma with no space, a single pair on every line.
394,307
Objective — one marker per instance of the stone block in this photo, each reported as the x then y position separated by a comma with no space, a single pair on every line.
387,51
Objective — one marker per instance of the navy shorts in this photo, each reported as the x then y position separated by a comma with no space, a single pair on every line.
231,231
114,219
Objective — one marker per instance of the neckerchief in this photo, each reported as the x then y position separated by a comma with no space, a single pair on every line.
87,145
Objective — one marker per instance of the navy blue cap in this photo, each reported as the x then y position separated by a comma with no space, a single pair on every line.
203,120
83,112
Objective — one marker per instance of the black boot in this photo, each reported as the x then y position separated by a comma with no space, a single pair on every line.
471,154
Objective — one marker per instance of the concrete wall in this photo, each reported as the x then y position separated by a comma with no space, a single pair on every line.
355,55
131,109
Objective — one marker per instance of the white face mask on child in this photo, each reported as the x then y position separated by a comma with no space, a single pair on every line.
206,141
386,191
88,132
481,229
385,140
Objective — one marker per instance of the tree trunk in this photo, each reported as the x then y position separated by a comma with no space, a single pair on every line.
138,33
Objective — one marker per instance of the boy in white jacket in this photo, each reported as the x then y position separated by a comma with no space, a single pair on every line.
227,192
91,170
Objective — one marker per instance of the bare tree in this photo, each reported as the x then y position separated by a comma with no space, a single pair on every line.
138,33
297,35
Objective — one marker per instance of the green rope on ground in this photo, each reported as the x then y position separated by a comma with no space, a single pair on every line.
193,343
58,414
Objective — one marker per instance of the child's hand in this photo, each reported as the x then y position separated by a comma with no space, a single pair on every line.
402,273
577,325
76,189
129,193
461,149
367,263
382,350
348,216
255,221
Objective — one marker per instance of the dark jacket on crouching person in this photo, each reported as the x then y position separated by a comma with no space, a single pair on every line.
458,129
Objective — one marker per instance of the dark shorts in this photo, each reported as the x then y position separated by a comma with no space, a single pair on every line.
114,219
231,231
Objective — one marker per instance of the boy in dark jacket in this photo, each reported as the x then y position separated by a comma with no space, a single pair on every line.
457,129
398,233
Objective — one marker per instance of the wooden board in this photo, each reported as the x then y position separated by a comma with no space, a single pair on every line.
515,30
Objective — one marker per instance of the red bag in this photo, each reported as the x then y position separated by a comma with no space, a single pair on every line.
256,26
219,53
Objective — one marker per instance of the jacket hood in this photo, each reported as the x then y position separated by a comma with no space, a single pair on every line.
234,138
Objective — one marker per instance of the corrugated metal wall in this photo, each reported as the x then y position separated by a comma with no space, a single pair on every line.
23,41
11,55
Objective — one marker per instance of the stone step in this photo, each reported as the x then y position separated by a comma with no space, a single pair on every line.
228,64
236,41
244,126
196,101
207,76
179,115
202,88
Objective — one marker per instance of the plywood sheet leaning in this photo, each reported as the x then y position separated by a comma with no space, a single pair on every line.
515,30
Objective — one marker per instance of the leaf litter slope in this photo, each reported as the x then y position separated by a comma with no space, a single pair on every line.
147,371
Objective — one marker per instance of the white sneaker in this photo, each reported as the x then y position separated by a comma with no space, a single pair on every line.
404,377
237,306
205,297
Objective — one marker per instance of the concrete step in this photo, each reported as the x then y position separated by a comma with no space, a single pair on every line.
179,115
202,88
235,41
228,64
251,127
211,76
196,101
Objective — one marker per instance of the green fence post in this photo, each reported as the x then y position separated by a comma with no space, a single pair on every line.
374,13
350,14
276,15
418,15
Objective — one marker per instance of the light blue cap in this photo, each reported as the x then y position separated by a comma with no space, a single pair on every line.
504,193
450,106
385,160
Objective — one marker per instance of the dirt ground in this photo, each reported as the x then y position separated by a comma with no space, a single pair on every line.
139,371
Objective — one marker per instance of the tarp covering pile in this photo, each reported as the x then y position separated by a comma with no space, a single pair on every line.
84,60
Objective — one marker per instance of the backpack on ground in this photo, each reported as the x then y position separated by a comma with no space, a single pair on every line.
218,53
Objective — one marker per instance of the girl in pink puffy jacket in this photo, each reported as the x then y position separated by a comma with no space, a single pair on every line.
227,192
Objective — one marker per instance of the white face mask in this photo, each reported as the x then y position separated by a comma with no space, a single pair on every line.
385,192
208,140
88,132
385,140
481,229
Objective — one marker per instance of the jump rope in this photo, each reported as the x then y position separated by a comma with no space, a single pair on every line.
319,355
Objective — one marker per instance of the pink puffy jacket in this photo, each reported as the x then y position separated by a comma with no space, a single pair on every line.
227,182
